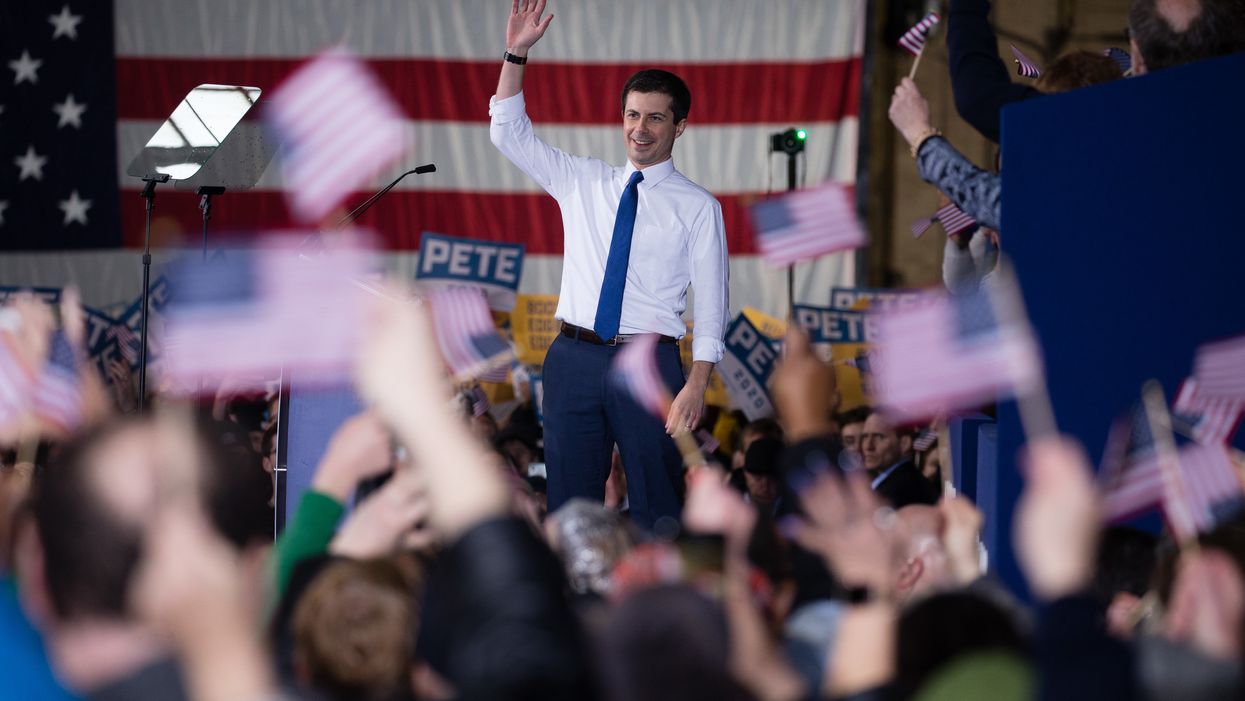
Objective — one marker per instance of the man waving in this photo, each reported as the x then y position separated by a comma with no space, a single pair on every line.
635,237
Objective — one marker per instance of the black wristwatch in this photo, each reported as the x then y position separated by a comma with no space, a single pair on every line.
520,60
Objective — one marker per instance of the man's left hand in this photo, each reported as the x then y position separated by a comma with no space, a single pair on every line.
687,408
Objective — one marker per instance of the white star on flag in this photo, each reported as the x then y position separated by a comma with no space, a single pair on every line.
3,206
70,112
66,24
75,209
25,68
31,164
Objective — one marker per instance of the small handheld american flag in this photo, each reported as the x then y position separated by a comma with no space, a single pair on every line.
954,352
807,223
1024,66
58,395
1203,491
479,401
17,381
1206,420
924,441
338,127
128,343
861,362
470,344
1131,479
1219,369
1122,58
953,219
257,311
920,226
1210,484
708,443
913,40
635,370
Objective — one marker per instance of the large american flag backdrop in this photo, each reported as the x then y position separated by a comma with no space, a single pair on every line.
754,68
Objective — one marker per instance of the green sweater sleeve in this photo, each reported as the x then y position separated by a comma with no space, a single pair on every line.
308,534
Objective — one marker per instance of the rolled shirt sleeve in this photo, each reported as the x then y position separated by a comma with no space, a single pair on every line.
710,275
511,131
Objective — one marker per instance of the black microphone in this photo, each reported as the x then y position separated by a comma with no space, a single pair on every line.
361,209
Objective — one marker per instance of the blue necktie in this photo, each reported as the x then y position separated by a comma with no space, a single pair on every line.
609,306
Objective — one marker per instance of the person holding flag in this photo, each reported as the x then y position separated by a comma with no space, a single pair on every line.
636,236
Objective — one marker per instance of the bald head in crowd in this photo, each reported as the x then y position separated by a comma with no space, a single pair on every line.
921,565
1165,33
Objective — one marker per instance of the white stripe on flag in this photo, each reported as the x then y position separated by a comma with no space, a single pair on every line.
593,31
1220,369
707,154
338,127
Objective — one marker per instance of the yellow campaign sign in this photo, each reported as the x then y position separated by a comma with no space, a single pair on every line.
851,389
842,335
771,326
715,392
533,326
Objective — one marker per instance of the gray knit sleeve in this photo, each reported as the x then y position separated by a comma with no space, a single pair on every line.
972,189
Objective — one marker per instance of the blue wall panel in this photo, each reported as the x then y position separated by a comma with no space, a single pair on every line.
1124,214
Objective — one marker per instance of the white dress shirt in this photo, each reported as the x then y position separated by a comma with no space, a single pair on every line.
678,237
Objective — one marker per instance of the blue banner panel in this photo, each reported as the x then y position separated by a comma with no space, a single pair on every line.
1122,212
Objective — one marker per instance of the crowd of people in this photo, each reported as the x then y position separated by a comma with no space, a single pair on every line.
818,554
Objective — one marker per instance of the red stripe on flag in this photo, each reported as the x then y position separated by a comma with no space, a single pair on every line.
558,93
532,219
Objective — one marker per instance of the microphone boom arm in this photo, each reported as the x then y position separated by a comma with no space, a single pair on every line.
367,204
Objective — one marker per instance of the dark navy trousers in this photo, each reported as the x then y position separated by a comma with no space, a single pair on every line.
586,414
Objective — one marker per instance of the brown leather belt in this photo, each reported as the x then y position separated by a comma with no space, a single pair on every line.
587,335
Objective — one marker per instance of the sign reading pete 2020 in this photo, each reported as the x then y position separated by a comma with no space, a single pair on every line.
451,261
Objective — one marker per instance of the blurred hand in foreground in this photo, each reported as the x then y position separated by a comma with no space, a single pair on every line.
803,387
1057,518
359,449
851,528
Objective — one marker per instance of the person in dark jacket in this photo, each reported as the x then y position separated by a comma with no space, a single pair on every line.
887,452
980,80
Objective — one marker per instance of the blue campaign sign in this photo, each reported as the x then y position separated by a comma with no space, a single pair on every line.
497,267
97,325
746,367
157,298
857,298
828,325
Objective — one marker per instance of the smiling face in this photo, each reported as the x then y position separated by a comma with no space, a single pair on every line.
649,129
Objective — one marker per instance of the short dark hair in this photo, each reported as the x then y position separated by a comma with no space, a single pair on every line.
764,457
855,415
668,642
938,629
235,488
656,80
1078,69
1218,30
765,427
89,552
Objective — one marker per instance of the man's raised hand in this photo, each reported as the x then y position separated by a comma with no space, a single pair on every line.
526,26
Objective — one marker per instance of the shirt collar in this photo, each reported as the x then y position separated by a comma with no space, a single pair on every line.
653,175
